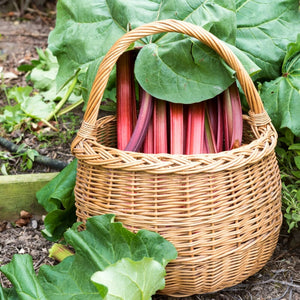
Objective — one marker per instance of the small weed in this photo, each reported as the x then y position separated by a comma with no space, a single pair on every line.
66,131
288,154
26,157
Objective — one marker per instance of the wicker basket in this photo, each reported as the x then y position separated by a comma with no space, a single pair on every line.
221,211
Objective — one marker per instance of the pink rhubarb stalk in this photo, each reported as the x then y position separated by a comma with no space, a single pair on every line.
209,131
215,116
176,128
233,118
141,127
195,143
148,146
160,126
126,102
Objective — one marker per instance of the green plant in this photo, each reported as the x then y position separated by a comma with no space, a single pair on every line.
66,130
43,101
57,197
5,167
281,96
288,153
26,155
159,64
107,257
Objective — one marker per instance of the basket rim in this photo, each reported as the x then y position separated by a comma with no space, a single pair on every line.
90,151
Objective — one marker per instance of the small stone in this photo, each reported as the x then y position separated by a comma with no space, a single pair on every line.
34,224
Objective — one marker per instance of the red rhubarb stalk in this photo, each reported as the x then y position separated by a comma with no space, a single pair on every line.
215,115
209,131
233,118
195,143
148,142
141,127
176,128
220,131
126,106
160,126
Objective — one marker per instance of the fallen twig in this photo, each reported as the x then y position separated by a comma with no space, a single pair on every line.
283,295
36,10
290,284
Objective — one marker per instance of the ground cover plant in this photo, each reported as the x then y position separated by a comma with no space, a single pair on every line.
104,250
41,101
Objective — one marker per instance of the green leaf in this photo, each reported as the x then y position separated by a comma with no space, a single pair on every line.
3,169
298,195
264,36
19,94
59,190
102,244
29,164
295,146
297,161
58,221
21,273
126,279
281,96
81,23
118,242
31,153
167,66
33,106
43,76
296,173
57,197
8,294
12,116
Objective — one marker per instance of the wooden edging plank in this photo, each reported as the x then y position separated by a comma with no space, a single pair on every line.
17,192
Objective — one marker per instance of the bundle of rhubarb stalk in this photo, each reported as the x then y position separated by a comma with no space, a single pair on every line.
152,125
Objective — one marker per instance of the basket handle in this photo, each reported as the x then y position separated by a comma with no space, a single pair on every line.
108,62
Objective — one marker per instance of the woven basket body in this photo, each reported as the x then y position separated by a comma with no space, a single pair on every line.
221,211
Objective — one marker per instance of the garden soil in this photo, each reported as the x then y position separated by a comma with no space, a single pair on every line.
279,279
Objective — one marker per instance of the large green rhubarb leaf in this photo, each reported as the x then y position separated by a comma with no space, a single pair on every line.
21,273
8,294
85,31
264,29
130,280
101,245
57,197
43,77
281,96
33,106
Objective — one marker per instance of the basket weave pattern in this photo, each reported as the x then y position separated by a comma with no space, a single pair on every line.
221,211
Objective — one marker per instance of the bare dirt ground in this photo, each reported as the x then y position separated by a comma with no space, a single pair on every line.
18,43
279,279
